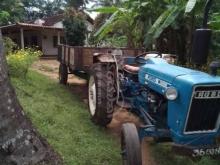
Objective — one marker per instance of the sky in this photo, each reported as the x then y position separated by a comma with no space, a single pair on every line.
92,14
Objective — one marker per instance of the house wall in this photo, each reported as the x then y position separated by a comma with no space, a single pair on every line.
47,42
43,39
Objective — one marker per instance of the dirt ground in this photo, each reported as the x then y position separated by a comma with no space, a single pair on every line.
79,86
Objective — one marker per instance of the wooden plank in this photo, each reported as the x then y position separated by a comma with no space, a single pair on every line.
87,58
64,55
76,57
72,56
69,56
82,57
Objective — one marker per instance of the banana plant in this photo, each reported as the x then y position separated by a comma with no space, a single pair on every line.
163,21
129,20
190,5
167,18
121,21
145,20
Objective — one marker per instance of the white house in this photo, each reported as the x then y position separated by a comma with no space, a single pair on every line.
44,33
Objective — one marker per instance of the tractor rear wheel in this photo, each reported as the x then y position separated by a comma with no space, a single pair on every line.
130,145
101,93
63,74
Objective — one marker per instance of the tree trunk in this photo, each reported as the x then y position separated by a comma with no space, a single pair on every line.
20,143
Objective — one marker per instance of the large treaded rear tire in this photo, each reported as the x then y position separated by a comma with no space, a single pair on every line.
101,93
130,145
63,74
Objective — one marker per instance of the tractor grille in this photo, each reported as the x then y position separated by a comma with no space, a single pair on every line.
204,113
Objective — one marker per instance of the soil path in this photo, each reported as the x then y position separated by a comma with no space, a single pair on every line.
78,86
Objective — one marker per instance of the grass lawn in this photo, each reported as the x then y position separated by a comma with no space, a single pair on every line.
164,156
64,121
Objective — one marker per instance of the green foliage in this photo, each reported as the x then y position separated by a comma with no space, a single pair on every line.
113,41
215,21
120,22
75,30
116,41
10,11
4,17
107,26
20,61
135,20
164,25
165,20
42,8
190,6
216,44
105,10
9,45
62,118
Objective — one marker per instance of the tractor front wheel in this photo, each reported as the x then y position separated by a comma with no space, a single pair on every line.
101,93
130,145
63,74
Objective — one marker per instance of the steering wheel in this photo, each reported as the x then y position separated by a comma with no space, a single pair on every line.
141,60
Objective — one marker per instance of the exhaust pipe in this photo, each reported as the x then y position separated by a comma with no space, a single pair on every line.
202,39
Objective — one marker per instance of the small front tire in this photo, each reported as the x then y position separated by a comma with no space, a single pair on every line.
130,145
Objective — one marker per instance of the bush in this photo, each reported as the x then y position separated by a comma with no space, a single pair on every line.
20,61
9,45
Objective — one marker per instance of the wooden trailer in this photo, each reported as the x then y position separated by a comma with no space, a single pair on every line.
78,60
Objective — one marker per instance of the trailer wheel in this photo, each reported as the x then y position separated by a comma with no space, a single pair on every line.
130,145
101,93
63,74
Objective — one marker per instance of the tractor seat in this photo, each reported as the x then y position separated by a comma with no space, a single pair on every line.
131,69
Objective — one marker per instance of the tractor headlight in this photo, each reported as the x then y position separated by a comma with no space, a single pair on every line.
171,93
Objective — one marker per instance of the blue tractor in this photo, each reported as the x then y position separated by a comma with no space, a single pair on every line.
174,103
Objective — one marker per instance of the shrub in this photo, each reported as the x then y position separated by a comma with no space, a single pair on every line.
9,45
20,61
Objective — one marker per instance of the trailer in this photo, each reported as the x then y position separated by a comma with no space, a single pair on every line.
78,60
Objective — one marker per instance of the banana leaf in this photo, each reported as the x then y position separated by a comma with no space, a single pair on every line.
165,20
190,6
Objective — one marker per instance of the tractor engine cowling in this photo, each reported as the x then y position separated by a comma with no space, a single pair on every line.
193,117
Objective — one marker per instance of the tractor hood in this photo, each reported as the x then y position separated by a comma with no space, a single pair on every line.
159,75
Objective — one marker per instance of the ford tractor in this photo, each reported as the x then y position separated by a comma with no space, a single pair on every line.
174,103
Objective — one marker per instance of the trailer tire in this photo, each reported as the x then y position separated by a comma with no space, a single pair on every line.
101,93
63,74
130,145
